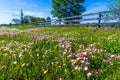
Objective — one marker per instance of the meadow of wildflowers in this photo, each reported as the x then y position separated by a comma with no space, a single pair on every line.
59,53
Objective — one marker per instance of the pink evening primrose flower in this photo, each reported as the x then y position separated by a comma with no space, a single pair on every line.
108,60
84,54
96,72
82,61
60,78
89,74
60,41
85,68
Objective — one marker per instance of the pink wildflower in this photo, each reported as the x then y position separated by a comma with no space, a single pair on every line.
82,61
73,61
84,54
60,78
89,74
96,72
86,63
108,60
117,57
60,41
78,68
85,68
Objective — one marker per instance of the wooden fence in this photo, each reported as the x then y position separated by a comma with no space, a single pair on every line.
99,19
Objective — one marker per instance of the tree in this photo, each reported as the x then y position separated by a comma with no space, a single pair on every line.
48,18
40,19
29,19
16,21
10,24
114,5
67,8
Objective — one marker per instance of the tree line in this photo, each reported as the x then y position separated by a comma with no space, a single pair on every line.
30,19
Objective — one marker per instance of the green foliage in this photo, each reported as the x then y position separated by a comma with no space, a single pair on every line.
29,19
66,8
112,47
48,18
16,21
114,5
24,27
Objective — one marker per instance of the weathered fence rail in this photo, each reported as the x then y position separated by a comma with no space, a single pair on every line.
99,18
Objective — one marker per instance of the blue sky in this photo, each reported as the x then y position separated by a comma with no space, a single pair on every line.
42,8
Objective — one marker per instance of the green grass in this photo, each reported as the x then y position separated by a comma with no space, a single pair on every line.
53,53
23,27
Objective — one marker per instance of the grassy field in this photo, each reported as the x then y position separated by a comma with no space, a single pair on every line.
59,53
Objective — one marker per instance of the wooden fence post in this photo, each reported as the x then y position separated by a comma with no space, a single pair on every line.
99,20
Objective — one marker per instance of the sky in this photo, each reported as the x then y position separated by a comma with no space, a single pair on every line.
10,9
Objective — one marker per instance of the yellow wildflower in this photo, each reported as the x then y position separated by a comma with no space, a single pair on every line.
23,65
45,71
